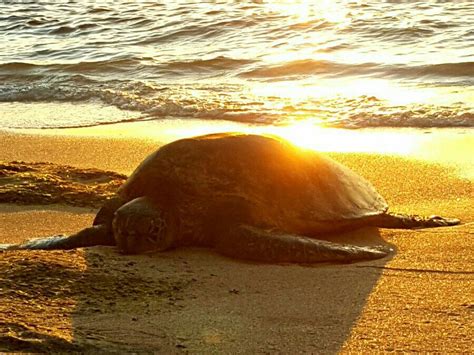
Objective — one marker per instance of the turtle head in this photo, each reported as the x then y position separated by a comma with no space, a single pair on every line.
141,226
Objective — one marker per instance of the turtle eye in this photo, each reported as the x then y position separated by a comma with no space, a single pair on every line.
156,230
152,235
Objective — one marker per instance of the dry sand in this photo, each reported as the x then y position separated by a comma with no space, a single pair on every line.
419,300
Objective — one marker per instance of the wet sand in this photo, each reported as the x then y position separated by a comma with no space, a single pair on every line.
418,300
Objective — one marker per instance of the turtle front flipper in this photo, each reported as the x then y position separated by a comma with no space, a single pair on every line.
250,243
95,235
405,221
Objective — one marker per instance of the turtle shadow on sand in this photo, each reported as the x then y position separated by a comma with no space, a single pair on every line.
189,299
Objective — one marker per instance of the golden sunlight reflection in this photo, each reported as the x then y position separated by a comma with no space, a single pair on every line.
378,88
386,90
305,134
437,146
304,10
310,136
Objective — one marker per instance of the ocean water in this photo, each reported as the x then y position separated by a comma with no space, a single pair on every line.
349,64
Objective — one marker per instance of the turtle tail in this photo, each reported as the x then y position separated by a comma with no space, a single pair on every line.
405,221
95,235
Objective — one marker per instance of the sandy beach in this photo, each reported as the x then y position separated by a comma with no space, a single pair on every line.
420,299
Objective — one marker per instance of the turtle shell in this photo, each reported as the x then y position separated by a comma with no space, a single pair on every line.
286,186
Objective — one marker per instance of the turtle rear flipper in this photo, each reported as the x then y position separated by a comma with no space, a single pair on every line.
405,221
250,243
95,235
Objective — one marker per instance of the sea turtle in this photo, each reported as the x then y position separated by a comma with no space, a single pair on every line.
248,196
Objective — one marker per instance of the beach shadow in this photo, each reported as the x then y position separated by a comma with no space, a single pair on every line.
190,300
197,301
